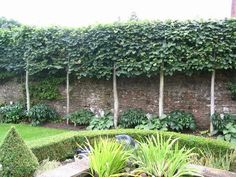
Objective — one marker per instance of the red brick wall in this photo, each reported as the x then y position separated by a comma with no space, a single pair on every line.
181,92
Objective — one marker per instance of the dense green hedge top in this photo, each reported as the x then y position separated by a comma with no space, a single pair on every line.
134,48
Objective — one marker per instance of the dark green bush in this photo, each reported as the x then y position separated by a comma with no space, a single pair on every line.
62,146
101,123
132,117
220,121
228,133
47,89
232,89
153,123
180,120
16,158
14,113
81,117
42,113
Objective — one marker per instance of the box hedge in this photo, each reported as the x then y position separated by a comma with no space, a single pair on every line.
16,158
62,146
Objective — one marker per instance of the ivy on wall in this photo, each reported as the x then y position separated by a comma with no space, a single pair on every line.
47,89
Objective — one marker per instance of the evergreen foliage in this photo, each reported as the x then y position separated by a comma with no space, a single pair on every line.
16,158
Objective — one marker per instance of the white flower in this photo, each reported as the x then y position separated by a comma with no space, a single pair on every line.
92,110
149,116
222,116
101,112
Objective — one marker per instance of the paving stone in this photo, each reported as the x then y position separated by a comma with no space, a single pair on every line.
212,172
73,169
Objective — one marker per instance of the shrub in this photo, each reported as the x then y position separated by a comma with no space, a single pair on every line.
81,117
107,157
42,113
232,89
47,89
62,146
132,117
229,133
101,123
14,113
220,121
152,124
160,157
180,120
16,158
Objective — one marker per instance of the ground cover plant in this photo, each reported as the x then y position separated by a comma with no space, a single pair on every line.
42,113
80,117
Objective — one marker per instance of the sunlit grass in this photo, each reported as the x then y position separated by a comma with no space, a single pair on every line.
29,132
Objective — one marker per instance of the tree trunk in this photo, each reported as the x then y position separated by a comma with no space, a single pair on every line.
212,98
116,101
27,86
161,92
67,94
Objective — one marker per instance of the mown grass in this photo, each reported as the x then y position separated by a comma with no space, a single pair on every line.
30,133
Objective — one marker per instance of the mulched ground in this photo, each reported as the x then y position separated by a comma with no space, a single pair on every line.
63,125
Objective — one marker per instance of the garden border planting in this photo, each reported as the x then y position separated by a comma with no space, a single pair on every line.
62,146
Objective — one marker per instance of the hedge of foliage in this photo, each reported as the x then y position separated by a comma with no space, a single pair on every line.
61,146
134,48
16,158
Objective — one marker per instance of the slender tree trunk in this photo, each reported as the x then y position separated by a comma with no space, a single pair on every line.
161,92
27,86
67,94
115,96
212,98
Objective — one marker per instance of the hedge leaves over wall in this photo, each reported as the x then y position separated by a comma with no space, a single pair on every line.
121,49
137,48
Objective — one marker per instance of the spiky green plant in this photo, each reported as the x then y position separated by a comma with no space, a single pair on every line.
107,157
221,160
163,158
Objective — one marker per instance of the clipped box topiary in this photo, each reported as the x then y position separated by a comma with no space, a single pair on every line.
16,158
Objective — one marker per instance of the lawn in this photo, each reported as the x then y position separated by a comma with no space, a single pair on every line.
29,132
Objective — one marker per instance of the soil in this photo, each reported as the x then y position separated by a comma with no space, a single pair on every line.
63,125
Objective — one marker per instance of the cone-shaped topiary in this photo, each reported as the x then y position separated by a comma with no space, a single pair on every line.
16,158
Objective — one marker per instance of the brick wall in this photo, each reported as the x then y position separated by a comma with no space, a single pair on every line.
190,93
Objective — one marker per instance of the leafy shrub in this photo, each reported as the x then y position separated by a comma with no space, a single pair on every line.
220,121
232,89
14,113
229,133
180,120
152,124
132,117
16,158
42,113
101,123
62,146
47,89
107,157
159,157
81,117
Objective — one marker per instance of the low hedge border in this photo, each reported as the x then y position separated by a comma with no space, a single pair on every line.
62,146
